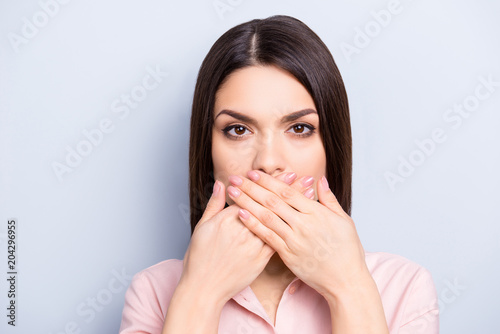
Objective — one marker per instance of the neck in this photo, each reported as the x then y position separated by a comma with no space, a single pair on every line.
275,268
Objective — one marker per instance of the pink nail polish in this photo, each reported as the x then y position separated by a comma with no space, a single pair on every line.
307,182
237,181
233,191
290,177
325,182
216,188
244,213
309,193
252,175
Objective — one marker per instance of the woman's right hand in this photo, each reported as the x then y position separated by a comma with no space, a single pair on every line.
224,256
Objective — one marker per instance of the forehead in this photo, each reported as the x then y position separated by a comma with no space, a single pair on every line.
262,91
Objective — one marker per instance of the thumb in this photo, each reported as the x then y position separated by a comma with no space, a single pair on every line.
216,202
328,198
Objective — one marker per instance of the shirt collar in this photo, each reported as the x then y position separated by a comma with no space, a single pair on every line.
249,300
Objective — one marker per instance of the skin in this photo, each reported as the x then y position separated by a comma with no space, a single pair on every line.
271,231
266,94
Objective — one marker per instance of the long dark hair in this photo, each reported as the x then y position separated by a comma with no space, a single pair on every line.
289,44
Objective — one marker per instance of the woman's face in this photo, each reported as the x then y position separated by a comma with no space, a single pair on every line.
264,119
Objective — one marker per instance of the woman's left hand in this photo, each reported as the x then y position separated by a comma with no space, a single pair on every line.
317,241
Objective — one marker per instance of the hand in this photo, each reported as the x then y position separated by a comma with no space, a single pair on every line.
317,241
225,250
224,256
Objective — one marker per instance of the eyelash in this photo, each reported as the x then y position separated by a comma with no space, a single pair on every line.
303,135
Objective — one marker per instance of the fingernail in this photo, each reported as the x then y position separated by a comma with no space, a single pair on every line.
244,213
308,181
254,176
216,190
309,193
237,181
233,191
290,177
325,182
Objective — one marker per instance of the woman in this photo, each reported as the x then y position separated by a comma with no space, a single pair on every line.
270,136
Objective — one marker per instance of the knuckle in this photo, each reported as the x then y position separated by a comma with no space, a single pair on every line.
287,193
252,224
272,202
266,236
249,187
306,231
247,235
267,218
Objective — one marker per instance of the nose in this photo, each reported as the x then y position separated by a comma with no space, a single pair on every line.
269,156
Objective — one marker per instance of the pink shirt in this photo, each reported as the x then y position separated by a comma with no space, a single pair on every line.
406,288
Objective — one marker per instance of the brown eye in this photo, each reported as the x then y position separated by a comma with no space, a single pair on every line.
299,128
236,132
239,130
302,130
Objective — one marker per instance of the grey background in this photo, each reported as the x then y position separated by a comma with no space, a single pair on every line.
123,207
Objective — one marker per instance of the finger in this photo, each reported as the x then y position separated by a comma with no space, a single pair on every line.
305,186
328,198
263,232
267,251
288,178
262,214
302,184
284,192
216,202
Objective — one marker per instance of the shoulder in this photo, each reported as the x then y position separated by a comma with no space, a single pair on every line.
407,290
168,269
396,271
381,262
156,283
162,278
148,297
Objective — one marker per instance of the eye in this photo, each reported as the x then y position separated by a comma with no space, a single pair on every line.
238,131
303,130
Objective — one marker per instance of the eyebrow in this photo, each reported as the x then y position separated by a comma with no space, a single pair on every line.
286,119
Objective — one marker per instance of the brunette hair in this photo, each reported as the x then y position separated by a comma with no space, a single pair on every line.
289,44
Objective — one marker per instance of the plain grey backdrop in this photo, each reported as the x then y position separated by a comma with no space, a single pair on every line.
95,101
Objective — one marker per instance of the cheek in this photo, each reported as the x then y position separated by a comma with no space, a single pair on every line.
227,161
310,161
219,157
225,165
